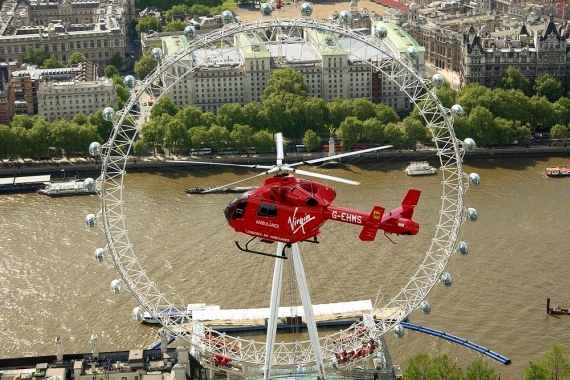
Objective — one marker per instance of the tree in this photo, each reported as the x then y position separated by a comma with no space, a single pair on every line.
39,139
104,127
559,131
338,110
144,66
479,370
80,119
415,131
363,109
153,134
446,95
287,80
230,114
116,61
263,141
481,121
535,372
549,87
75,58
181,9
198,136
555,362
420,368
35,56
53,63
254,113
446,369
162,106
395,135
123,95
350,132
111,71
386,114
190,116
373,131
218,137
148,23
242,137
473,95
514,79
175,26
311,140
175,133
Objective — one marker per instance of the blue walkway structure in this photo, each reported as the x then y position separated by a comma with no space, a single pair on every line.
158,344
454,339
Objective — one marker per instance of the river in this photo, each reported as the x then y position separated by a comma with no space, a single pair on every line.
51,286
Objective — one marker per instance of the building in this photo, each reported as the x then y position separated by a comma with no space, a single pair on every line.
6,95
240,73
63,100
480,43
536,53
60,27
25,83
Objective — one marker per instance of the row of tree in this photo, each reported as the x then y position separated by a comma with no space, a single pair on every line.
553,365
491,116
34,137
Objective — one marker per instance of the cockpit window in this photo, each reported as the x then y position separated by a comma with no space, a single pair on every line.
267,210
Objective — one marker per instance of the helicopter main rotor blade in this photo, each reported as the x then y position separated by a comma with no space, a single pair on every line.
319,175
220,163
316,160
272,170
279,146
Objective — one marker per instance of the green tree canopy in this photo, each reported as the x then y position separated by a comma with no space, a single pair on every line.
75,58
148,23
144,66
311,140
162,106
53,63
116,60
287,80
514,79
175,26
35,56
549,87
111,71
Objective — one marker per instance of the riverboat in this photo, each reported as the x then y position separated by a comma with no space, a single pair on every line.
225,190
558,171
66,188
557,310
22,184
419,168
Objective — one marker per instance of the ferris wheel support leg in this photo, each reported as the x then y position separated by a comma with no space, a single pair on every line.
308,309
273,311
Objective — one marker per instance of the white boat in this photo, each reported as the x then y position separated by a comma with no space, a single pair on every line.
178,314
420,168
67,188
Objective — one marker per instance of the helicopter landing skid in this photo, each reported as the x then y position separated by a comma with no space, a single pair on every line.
246,249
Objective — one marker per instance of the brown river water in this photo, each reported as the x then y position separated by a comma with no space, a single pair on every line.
50,285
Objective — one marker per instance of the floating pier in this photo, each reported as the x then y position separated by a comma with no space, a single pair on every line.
454,339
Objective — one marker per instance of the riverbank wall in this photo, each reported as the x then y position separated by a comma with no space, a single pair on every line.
72,167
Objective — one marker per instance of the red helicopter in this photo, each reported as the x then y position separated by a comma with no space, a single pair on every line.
289,210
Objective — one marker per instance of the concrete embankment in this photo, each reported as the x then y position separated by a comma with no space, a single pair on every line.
89,165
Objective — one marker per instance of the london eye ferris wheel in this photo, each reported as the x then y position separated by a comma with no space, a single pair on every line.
322,351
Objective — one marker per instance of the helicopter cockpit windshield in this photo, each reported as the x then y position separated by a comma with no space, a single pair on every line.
236,207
